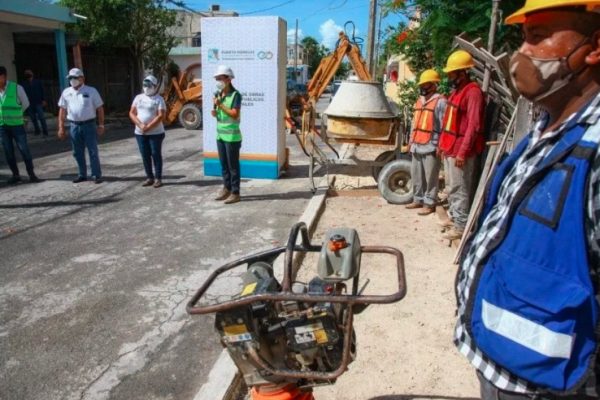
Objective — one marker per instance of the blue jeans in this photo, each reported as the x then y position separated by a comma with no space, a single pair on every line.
36,112
229,155
82,136
16,133
151,151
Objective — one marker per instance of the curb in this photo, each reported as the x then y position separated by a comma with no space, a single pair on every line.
224,381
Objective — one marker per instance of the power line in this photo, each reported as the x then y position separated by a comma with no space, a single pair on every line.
270,8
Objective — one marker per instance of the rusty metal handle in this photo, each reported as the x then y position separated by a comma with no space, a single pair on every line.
303,297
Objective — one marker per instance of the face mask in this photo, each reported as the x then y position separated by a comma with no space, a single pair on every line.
455,83
74,82
537,78
220,85
425,91
27,76
148,91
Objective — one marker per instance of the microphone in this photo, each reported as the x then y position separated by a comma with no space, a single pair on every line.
216,94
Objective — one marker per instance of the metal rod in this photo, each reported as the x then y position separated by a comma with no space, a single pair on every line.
371,40
491,41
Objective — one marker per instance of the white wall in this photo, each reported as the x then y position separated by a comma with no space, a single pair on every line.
7,50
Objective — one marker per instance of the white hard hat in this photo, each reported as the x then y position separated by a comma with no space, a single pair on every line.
75,73
151,79
224,70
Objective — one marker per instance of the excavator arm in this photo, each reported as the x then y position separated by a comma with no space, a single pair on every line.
330,64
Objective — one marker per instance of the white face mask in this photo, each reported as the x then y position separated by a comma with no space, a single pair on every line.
220,85
148,91
74,82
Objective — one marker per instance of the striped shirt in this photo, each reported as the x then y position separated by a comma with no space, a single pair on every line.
539,147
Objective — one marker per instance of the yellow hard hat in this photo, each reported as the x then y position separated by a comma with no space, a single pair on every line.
429,75
538,5
460,59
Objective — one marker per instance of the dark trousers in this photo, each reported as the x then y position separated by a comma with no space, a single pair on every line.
82,136
151,150
36,112
229,155
490,392
18,135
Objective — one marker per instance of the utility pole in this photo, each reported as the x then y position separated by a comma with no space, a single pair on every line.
296,54
491,41
371,38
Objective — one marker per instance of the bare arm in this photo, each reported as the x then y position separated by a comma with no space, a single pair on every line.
61,123
155,121
100,113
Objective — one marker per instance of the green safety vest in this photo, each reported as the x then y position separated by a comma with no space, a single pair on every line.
228,129
11,113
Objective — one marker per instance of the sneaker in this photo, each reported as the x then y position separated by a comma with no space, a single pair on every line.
98,181
79,179
426,210
157,184
223,194
233,198
453,234
149,182
14,179
412,206
34,179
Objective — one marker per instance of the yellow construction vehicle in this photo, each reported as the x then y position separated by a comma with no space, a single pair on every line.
183,97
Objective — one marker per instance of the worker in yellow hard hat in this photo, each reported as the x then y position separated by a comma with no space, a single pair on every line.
425,132
529,281
461,141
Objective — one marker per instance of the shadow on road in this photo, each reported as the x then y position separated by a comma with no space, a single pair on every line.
420,396
94,202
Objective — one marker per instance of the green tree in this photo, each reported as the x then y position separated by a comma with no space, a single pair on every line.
315,52
430,43
145,27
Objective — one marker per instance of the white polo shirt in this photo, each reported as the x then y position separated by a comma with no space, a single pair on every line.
80,104
148,108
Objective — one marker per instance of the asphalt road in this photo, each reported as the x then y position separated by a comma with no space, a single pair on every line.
95,277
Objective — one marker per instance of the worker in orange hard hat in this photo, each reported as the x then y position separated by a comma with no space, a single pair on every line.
461,140
425,133
529,281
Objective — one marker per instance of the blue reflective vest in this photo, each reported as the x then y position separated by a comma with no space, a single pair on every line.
532,306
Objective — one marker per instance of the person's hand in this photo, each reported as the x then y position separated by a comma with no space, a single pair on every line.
216,101
440,153
61,133
213,113
460,162
100,130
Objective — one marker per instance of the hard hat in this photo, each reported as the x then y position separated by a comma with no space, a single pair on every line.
538,5
429,75
460,59
151,79
75,73
224,70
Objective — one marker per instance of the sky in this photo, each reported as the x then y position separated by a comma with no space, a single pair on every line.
321,19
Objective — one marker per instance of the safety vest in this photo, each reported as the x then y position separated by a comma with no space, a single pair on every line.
532,307
423,120
452,118
11,113
228,129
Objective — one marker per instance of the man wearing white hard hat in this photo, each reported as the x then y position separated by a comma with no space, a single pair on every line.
83,107
147,113
226,108
529,281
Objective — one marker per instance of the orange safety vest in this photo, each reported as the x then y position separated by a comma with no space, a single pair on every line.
452,119
424,118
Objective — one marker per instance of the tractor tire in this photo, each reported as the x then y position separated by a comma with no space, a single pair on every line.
190,116
395,183
387,155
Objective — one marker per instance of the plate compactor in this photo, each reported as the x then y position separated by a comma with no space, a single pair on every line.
288,337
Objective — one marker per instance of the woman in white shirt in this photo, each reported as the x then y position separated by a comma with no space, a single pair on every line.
147,113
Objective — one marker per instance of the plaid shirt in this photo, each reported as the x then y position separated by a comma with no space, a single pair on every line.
478,251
